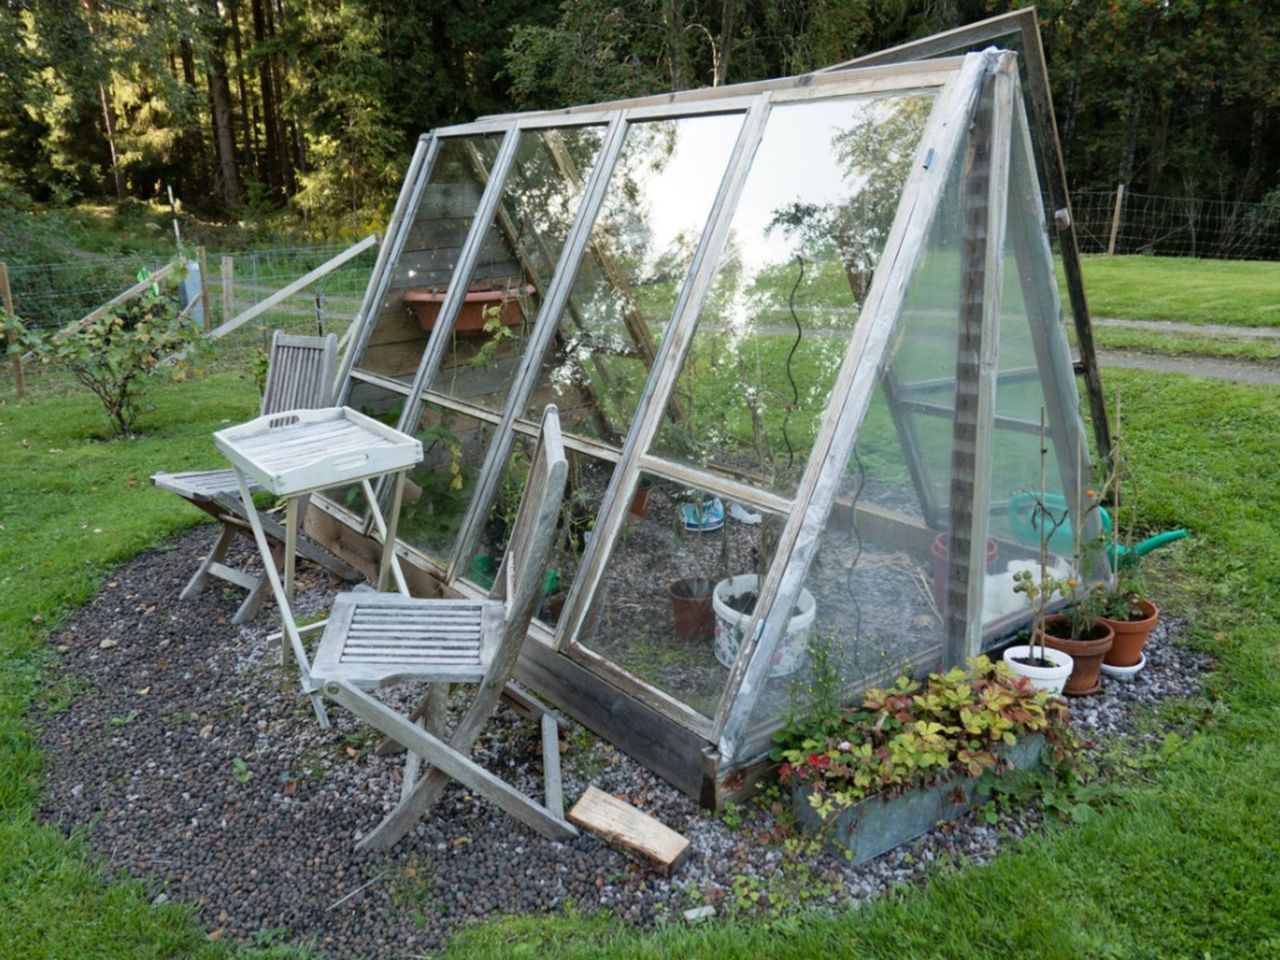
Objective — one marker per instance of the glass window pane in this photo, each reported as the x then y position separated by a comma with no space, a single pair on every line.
437,231
441,487
878,572
1020,398
664,608
584,491
806,236
539,202
654,212
382,405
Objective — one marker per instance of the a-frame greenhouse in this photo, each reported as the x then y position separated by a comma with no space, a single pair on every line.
801,335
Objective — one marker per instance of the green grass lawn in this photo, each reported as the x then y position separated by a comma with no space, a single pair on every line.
1242,293
1183,862
70,508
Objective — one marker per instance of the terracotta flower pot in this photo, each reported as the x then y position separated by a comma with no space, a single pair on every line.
426,306
640,501
1131,636
693,618
1086,655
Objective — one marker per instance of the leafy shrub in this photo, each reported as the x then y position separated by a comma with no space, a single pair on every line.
913,733
116,355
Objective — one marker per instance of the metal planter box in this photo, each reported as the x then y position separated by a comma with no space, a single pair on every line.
879,823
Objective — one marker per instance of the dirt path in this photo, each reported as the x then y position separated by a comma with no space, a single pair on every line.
1203,329
1254,373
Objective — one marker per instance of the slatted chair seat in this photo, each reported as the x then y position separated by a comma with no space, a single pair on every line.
376,639
300,375
372,640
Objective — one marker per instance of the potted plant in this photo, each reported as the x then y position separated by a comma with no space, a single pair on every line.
1081,634
640,499
693,619
483,301
1131,617
872,776
1123,604
733,602
1044,668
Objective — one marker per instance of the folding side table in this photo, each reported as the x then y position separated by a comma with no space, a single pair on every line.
294,454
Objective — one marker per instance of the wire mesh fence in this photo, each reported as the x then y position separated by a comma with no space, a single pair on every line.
53,295
1136,223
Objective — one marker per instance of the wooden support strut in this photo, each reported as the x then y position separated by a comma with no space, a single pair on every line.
964,435
509,230
632,317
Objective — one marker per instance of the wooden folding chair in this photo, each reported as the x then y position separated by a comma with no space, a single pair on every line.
373,640
300,374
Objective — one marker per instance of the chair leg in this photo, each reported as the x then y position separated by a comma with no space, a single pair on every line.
448,763
431,714
253,602
389,748
201,576
553,790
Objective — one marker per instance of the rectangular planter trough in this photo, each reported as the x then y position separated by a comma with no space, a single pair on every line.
879,823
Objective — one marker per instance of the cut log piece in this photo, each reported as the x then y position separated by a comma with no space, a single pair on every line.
633,830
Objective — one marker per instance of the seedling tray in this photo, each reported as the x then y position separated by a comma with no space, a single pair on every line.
301,450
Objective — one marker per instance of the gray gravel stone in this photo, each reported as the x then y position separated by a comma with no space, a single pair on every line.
194,762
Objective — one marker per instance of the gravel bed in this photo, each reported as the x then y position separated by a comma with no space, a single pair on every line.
192,761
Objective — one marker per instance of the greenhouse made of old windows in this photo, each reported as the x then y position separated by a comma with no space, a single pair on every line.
802,335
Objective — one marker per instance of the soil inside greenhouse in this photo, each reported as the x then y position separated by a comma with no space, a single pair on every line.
189,759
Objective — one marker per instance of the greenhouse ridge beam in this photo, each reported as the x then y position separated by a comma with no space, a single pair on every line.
987,204
893,77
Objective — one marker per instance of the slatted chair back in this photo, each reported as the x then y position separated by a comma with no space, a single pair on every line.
301,373
519,580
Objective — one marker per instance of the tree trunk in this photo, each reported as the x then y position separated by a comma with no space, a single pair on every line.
108,110
109,123
287,181
673,20
248,126
270,119
220,106
728,18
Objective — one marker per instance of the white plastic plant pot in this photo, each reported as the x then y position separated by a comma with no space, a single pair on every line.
1050,679
731,626
1124,673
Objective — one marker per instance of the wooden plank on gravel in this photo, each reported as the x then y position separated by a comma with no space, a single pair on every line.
633,830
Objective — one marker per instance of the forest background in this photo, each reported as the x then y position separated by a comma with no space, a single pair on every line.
305,111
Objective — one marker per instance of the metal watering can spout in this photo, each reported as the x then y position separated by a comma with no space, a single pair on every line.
1123,555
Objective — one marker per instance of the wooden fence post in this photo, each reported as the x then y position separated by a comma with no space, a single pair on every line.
202,258
6,296
228,288
1115,220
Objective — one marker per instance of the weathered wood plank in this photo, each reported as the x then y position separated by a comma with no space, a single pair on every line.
553,793
301,283
630,829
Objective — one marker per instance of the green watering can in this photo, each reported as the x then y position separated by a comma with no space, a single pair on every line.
1025,520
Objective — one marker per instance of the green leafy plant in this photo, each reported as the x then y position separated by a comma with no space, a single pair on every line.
117,354
1121,598
915,734
1043,586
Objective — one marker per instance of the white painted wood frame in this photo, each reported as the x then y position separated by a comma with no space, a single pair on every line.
881,315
